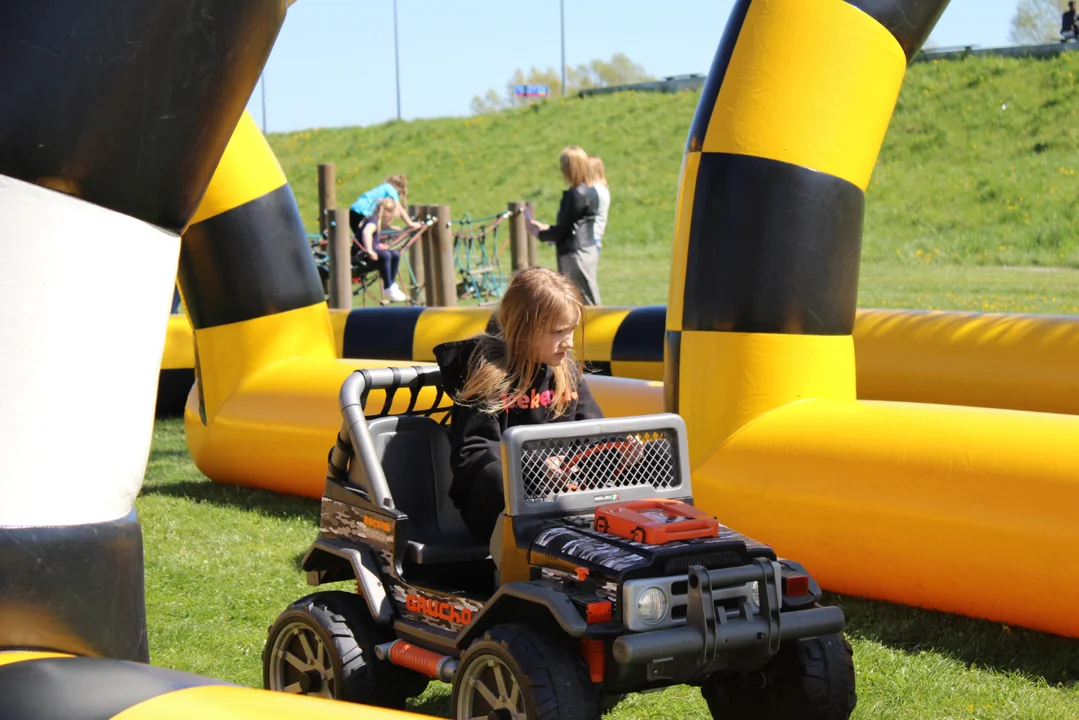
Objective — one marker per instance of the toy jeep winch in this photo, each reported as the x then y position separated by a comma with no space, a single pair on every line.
600,579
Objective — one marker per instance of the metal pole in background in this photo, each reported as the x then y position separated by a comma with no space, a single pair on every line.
396,60
562,17
262,82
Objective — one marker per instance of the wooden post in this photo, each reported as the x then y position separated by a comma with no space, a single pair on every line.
442,254
416,255
533,247
327,197
430,287
518,236
340,261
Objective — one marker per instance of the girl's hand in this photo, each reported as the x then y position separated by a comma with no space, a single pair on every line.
632,450
555,474
372,254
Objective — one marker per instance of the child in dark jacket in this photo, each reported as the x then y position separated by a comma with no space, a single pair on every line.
523,375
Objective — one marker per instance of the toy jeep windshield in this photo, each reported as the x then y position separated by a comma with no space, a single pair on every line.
601,578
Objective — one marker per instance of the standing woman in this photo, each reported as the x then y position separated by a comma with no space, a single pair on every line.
598,180
573,232
371,246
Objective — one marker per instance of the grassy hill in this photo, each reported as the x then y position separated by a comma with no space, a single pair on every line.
977,170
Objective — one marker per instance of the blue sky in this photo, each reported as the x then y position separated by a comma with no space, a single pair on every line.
333,63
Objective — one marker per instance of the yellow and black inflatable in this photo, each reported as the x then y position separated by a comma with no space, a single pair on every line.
995,360
38,685
926,505
898,501
113,117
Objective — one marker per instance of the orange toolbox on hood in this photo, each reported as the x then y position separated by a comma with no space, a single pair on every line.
655,522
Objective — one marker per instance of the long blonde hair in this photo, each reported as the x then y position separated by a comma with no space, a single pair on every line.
574,164
385,206
503,369
596,175
400,183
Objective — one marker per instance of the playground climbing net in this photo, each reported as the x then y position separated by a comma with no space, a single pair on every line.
477,251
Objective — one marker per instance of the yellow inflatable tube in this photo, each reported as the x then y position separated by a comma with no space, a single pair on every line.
964,510
1019,362
143,692
179,344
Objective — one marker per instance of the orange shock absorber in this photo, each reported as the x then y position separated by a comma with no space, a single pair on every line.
421,660
595,654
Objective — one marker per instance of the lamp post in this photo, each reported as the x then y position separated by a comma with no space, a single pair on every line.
562,17
396,60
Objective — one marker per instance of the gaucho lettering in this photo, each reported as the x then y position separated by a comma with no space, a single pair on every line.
376,523
437,609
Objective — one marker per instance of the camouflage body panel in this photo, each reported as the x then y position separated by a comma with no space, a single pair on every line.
349,522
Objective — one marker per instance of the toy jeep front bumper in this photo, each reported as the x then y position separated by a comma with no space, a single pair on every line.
711,641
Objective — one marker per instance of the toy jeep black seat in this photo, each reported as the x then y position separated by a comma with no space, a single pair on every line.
414,453
600,579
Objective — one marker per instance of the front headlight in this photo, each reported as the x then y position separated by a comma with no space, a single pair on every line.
652,605
755,592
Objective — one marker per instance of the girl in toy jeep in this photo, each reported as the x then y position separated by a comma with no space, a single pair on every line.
521,373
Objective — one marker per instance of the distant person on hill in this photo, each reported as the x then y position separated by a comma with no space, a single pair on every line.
573,233
598,181
395,188
1068,28
373,249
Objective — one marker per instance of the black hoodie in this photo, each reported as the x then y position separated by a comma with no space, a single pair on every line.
476,436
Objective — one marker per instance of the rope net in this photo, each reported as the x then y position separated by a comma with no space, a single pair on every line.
477,251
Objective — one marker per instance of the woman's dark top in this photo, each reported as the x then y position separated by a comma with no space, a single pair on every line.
576,219
476,436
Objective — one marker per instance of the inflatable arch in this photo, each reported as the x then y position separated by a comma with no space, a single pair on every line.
952,508
903,502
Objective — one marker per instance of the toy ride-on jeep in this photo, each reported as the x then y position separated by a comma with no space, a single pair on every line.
601,578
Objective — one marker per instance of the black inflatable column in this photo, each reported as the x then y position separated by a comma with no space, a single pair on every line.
113,116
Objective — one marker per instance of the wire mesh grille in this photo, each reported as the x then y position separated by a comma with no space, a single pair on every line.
565,466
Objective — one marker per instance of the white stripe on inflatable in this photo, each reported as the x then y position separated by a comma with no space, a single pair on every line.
76,397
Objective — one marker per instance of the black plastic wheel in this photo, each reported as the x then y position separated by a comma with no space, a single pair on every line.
809,679
324,645
516,673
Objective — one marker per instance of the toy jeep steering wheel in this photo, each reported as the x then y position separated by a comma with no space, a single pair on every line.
626,449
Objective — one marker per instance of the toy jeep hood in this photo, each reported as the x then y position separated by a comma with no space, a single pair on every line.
568,546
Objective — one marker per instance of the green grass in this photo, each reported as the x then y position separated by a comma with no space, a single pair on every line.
962,191
222,562
958,178
638,275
